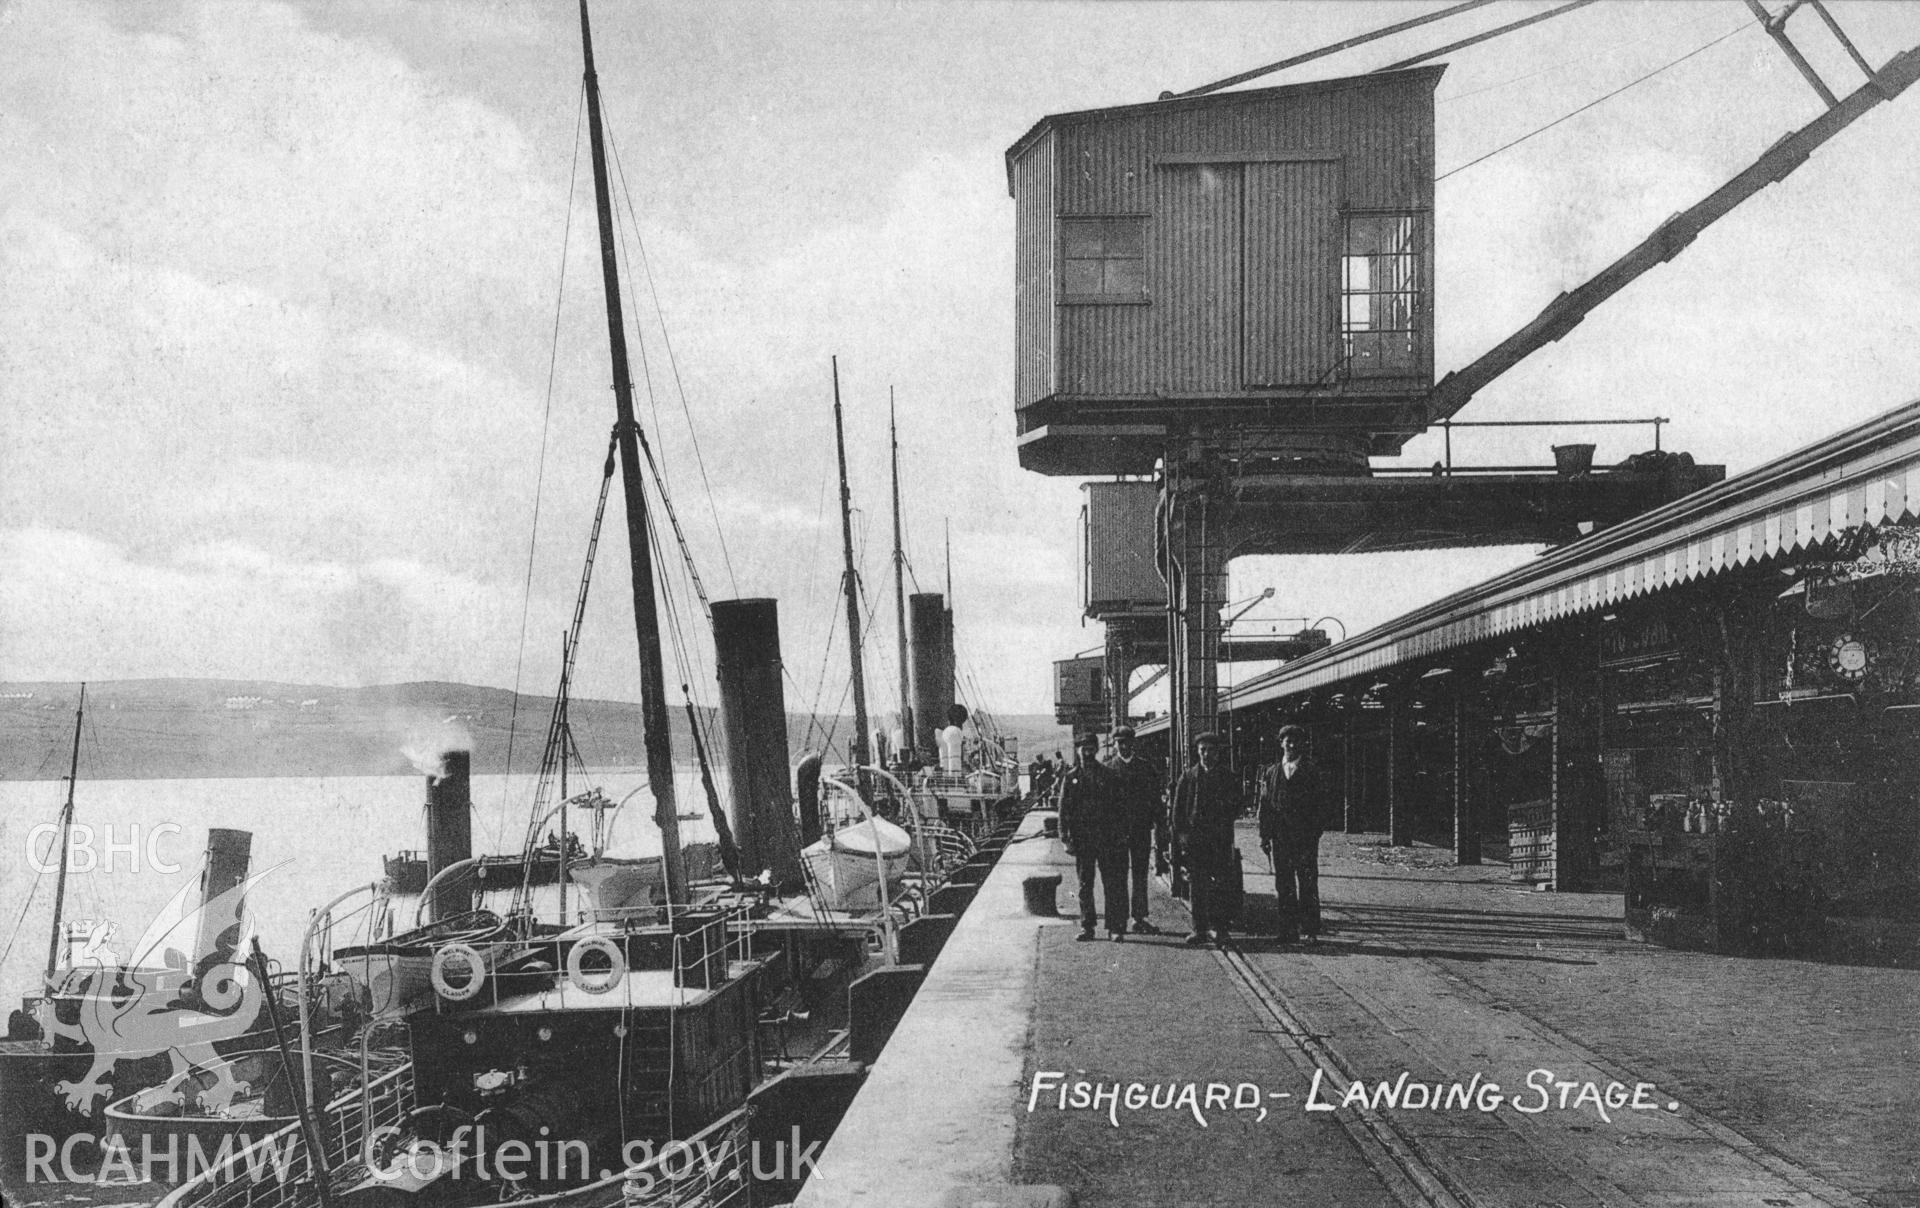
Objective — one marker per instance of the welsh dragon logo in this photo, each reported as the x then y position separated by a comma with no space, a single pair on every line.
158,1005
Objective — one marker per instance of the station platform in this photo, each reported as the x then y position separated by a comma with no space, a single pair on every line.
1457,1039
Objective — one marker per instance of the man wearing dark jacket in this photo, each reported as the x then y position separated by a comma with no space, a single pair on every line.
1143,788
1206,800
1040,778
1294,807
1094,832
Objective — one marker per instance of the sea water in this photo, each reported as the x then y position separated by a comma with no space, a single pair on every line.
137,843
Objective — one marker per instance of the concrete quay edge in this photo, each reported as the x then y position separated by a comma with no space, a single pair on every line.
936,1115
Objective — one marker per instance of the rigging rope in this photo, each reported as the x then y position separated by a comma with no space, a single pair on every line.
675,634
827,732
1590,104
639,337
722,833
656,465
27,906
546,421
570,652
866,630
820,687
560,745
704,739
1712,16
806,610
685,662
679,535
673,366
819,526
100,902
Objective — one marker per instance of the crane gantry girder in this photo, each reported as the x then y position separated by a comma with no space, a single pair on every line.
1315,514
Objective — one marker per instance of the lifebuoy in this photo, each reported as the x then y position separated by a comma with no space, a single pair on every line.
443,957
576,965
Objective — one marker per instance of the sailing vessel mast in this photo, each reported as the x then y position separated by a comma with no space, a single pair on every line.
66,825
653,695
566,749
860,756
900,584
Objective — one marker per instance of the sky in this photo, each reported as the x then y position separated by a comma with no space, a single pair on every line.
303,368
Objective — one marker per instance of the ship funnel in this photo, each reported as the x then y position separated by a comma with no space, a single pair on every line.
229,853
806,787
930,630
450,831
753,707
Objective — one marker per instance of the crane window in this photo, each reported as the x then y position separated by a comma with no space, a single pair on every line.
1380,295
1103,259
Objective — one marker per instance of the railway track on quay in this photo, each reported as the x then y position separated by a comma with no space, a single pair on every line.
1379,1011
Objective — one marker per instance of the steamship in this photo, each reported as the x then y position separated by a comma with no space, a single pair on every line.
567,1059
592,1043
181,1032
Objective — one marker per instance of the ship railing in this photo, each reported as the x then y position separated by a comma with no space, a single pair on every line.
711,1169
945,784
967,801
738,924
990,783
626,916
276,1171
702,955
948,847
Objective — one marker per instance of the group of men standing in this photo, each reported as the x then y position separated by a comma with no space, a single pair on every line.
1118,819
1111,821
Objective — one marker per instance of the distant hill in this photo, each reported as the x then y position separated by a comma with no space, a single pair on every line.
197,728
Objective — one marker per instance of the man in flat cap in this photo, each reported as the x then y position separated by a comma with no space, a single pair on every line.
1142,788
1206,800
1094,832
1294,806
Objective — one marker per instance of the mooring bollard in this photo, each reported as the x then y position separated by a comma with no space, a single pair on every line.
1042,894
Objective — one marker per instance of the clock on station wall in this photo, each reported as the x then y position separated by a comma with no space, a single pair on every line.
1849,657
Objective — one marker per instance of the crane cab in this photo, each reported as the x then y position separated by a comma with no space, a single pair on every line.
1260,261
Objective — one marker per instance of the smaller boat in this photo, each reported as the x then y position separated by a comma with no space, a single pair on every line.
99,1028
190,1110
613,885
407,871
396,975
847,864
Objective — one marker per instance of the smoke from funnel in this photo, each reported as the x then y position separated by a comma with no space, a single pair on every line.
426,740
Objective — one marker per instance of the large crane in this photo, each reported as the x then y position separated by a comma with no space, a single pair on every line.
1565,312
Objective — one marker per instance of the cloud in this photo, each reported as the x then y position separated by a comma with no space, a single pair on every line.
248,148
277,288
231,610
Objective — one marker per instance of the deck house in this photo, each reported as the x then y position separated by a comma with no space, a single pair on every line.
1257,261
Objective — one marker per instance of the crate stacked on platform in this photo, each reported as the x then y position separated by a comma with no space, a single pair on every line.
1530,847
